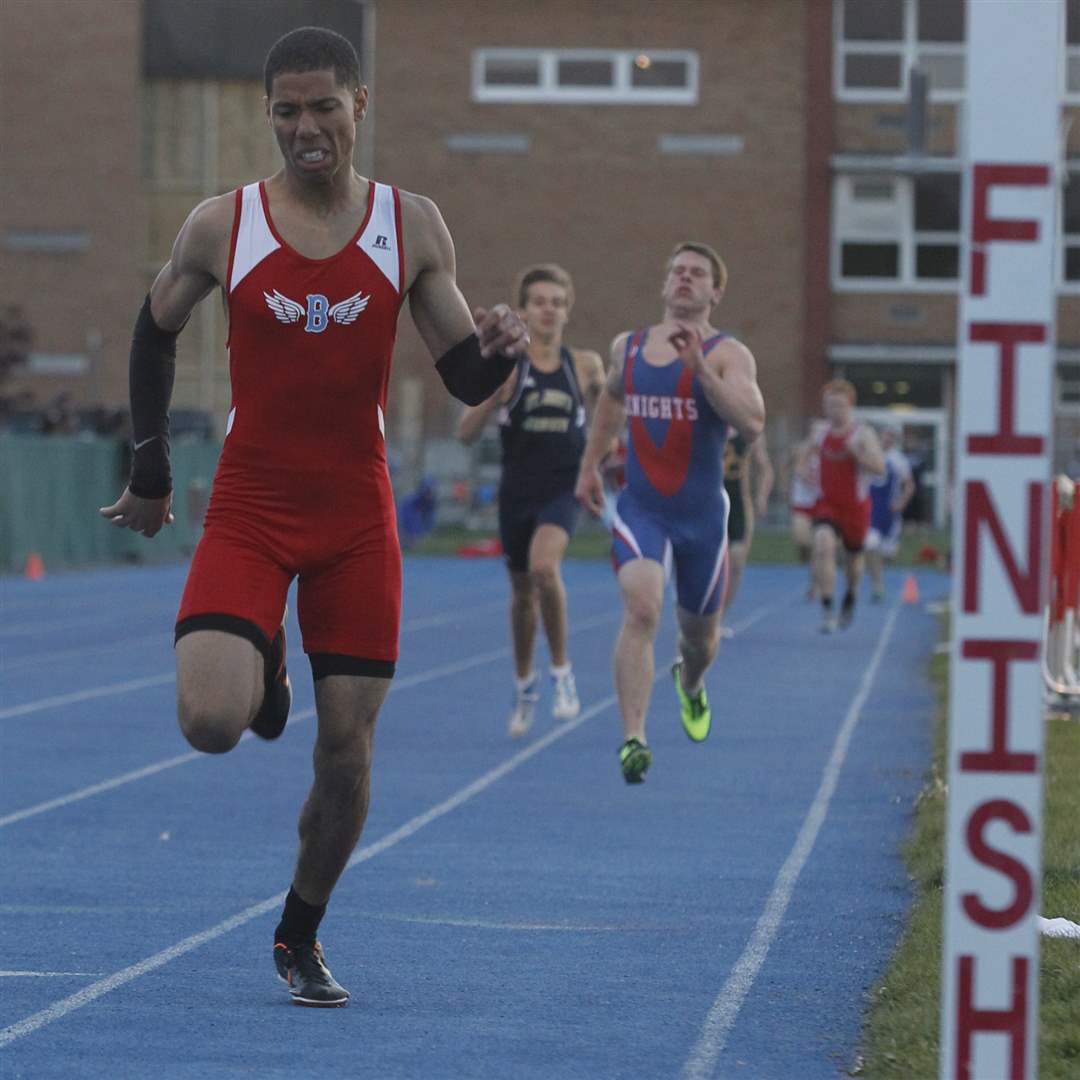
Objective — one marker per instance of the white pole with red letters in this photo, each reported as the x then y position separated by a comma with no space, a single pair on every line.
990,991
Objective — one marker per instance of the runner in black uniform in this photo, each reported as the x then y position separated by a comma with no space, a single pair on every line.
748,481
542,412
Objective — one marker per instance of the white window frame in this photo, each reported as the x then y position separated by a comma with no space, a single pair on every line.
621,92
909,49
907,240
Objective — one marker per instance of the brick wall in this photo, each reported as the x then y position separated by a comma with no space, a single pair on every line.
69,131
594,193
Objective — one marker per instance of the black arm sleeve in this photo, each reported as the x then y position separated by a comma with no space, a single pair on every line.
468,376
150,375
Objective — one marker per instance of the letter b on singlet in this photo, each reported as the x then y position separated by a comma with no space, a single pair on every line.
317,305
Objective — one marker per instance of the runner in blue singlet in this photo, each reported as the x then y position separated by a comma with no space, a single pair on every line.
682,386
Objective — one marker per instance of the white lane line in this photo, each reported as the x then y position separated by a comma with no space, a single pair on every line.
87,695
444,670
725,1009
98,789
59,1009
529,927
98,989
425,622
421,622
48,974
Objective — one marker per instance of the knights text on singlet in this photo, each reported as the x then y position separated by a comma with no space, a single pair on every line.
676,449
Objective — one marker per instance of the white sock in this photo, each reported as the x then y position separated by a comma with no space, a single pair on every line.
561,671
522,684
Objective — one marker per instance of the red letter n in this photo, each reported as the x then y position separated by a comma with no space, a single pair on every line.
980,509
1011,1021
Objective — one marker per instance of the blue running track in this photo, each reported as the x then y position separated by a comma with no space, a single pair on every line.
514,909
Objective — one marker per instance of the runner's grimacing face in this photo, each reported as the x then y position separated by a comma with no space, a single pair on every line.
546,310
314,120
688,287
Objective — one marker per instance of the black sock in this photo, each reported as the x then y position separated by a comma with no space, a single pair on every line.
826,603
299,921
849,600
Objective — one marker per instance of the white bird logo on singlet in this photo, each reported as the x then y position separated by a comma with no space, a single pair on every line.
290,311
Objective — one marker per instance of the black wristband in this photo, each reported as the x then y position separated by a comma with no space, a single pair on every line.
469,376
151,372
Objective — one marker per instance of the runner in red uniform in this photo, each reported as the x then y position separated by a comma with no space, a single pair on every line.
314,265
848,454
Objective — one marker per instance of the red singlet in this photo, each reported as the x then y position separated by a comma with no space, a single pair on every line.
302,487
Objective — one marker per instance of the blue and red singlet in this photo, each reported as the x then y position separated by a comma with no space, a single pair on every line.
302,487
674,508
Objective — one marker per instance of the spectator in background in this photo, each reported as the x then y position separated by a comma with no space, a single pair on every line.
60,417
916,451
889,494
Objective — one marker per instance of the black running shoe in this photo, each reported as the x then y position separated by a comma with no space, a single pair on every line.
847,610
304,968
270,720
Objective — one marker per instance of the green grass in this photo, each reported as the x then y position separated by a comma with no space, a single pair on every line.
900,1038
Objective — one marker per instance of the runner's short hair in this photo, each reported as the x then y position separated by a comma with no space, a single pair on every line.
544,272
313,48
840,386
719,270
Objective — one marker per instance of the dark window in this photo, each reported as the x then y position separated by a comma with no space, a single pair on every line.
873,20
648,72
1072,70
1072,264
506,72
1072,205
872,71
1068,384
941,20
870,260
937,261
1072,22
223,41
914,384
937,202
586,73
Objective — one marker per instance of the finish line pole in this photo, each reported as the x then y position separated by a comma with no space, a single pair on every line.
990,990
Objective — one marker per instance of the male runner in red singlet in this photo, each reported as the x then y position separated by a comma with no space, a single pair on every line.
314,265
543,409
848,454
683,385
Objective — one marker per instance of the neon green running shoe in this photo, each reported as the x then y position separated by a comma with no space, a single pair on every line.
635,758
693,711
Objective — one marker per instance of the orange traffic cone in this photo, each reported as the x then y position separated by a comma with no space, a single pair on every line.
910,594
35,567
